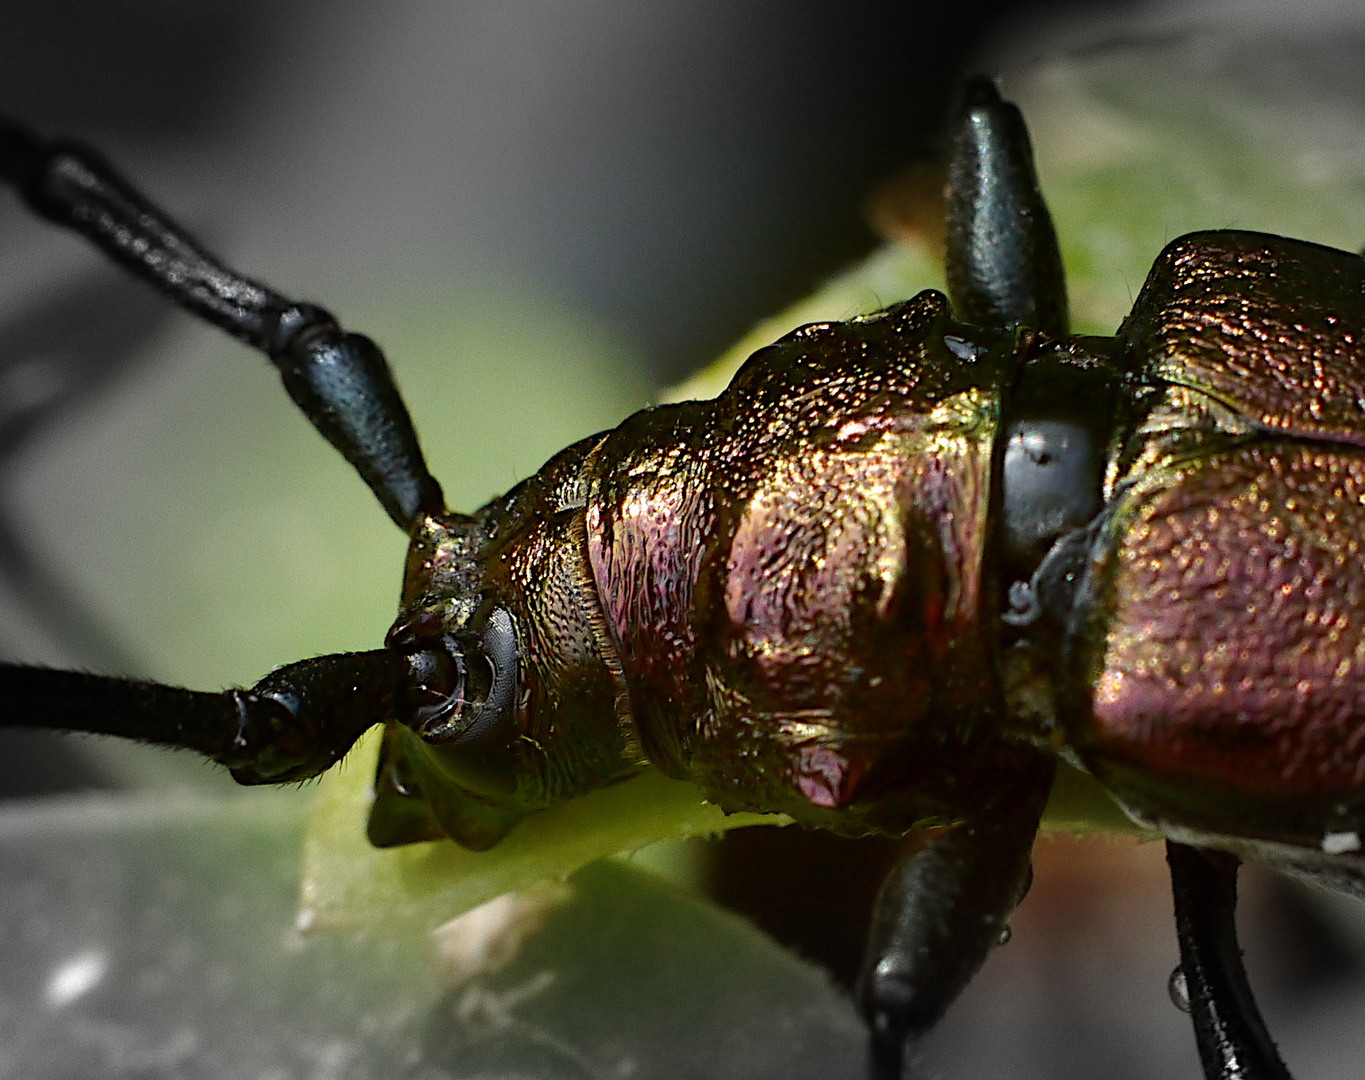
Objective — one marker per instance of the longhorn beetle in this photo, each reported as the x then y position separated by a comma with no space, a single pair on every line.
885,580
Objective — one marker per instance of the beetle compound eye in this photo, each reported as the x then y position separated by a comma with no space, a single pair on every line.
463,692
462,704
479,678
503,664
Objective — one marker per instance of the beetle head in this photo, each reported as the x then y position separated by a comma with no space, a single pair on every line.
505,686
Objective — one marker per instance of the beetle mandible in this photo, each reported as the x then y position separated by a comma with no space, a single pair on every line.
887,579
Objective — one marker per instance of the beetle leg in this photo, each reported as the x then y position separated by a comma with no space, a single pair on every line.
1232,1037
341,381
1003,264
295,723
940,912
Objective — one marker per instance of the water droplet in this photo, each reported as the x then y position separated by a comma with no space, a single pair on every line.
1179,989
1005,936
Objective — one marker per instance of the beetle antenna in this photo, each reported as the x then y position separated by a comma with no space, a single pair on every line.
292,725
341,381
1003,264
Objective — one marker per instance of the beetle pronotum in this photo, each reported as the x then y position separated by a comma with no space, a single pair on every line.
894,572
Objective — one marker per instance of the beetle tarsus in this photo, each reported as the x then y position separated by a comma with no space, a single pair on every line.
940,913
1233,1041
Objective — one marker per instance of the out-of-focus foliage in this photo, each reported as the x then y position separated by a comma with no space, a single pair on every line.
348,883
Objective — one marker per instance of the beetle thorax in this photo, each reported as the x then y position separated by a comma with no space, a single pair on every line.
792,576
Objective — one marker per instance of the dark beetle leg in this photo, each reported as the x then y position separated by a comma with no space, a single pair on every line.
940,913
1233,1041
340,381
1003,264
293,724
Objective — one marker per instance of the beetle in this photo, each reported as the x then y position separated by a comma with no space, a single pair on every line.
899,569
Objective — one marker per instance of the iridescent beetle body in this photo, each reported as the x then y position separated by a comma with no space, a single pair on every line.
1216,647
900,567
780,594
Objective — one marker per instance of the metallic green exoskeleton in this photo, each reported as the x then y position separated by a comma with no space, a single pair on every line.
887,579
